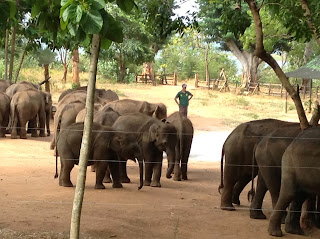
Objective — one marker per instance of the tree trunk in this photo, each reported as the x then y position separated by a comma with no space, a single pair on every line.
86,139
249,62
6,55
20,65
13,47
207,64
260,52
46,76
122,68
65,72
75,68
306,57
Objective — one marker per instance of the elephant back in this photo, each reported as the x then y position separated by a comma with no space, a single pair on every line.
4,84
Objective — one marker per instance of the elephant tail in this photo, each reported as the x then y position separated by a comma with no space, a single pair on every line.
221,182
56,142
56,152
12,115
252,191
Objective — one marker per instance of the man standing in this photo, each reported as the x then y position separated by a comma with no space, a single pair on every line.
184,97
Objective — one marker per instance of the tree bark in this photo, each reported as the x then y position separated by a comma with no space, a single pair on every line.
75,67
260,52
13,48
249,61
6,55
20,65
86,139
46,76
207,64
122,68
63,58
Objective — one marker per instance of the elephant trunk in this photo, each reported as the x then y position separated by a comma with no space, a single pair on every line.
171,162
140,161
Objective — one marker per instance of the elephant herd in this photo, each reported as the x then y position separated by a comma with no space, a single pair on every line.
286,160
122,129
24,103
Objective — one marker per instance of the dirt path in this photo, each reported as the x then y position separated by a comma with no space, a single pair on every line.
32,205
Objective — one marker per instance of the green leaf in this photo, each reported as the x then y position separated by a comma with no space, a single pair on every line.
97,4
125,5
91,22
63,24
105,43
65,14
72,29
72,10
79,14
111,28
87,41
35,10
13,9
66,3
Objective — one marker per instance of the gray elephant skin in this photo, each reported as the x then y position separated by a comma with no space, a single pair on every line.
238,150
4,84
21,86
26,106
268,156
4,113
185,132
154,137
106,147
102,93
65,116
82,113
299,179
127,106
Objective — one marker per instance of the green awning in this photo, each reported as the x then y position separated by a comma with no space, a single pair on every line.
309,71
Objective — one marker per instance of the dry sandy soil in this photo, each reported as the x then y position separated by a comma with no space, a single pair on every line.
32,205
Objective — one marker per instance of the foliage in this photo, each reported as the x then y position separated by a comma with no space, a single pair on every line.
184,56
44,56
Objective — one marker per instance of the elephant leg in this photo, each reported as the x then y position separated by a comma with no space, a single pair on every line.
148,173
292,223
93,168
42,120
107,177
256,204
14,133
156,175
123,171
3,128
307,217
32,127
285,198
239,186
23,131
177,169
66,167
115,173
101,168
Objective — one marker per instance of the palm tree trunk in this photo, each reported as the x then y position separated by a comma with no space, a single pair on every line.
86,139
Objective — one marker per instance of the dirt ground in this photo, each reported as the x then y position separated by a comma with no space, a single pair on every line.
32,205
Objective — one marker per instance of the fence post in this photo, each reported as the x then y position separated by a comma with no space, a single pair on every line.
286,104
196,80
281,91
136,78
269,89
175,78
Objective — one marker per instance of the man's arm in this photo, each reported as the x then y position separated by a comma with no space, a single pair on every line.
191,95
175,99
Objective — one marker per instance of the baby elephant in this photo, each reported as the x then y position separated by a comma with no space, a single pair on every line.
106,146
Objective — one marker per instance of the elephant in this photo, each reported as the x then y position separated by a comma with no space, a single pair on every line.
106,116
238,150
80,96
23,85
185,132
268,155
102,93
4,84
126,106
154,137
65,116
26,106
299,180
82,113
106,147
4,113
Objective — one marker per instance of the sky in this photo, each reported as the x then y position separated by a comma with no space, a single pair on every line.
185,5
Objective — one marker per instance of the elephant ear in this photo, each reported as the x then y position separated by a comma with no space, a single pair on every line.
153,132
47,98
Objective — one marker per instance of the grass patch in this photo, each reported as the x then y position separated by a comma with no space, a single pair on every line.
240,101
252,115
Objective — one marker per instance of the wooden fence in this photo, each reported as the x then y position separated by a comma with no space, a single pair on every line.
164,79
